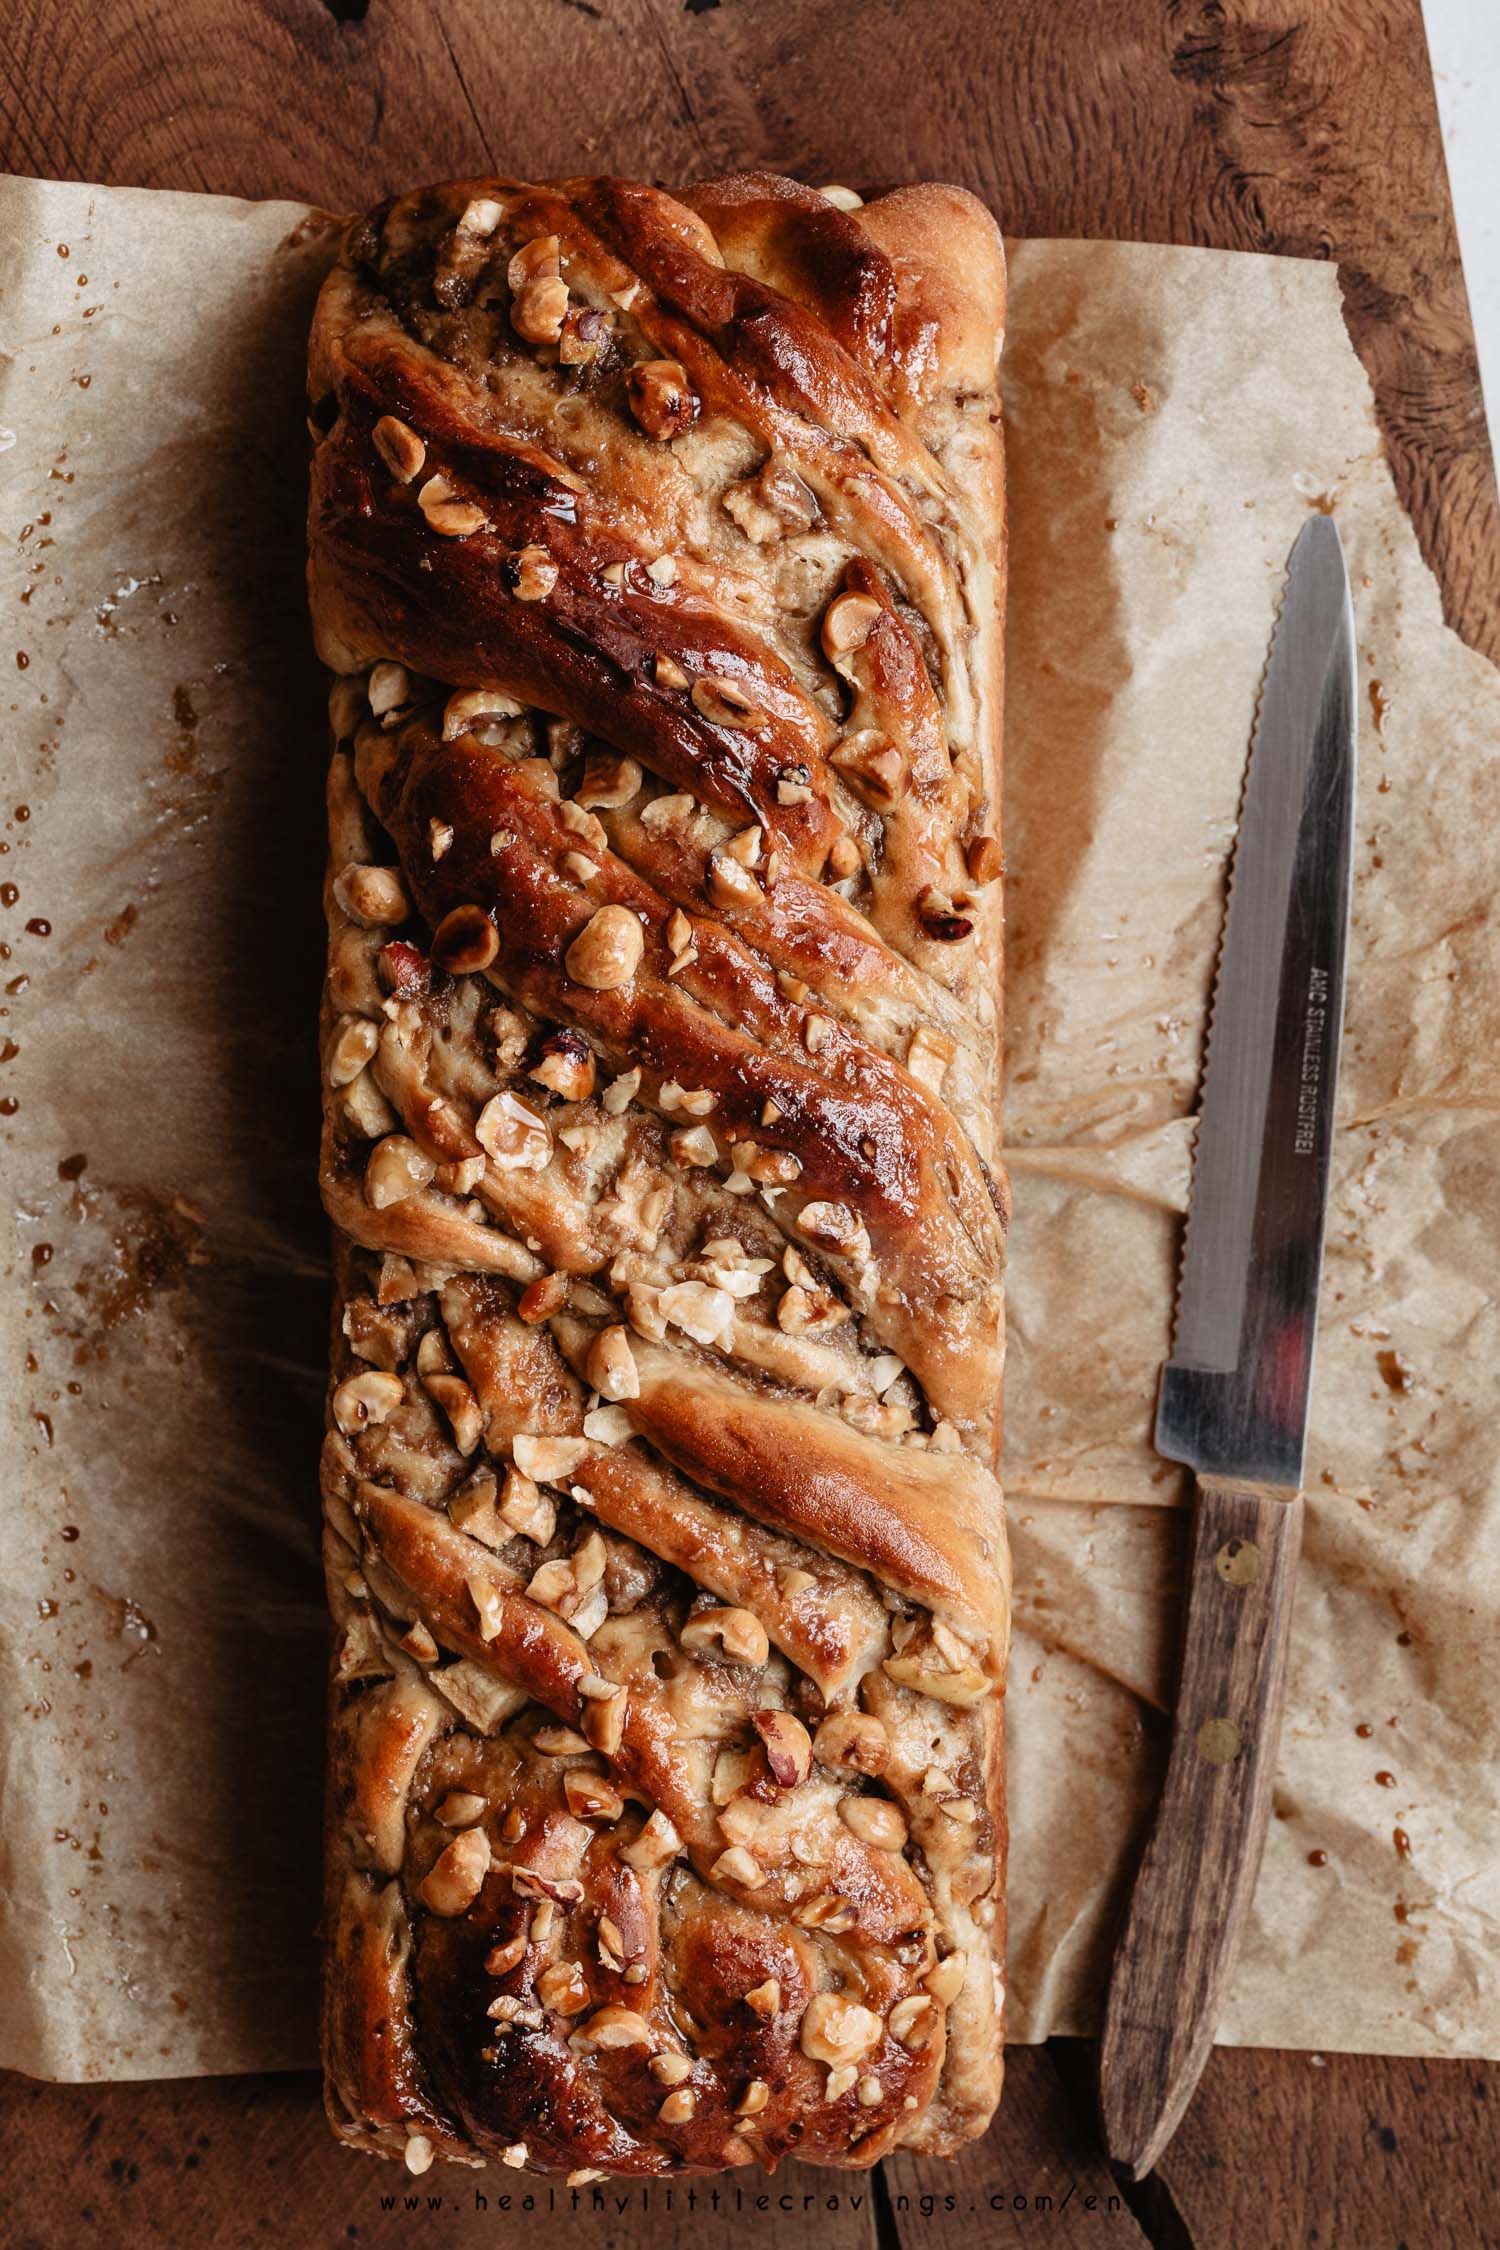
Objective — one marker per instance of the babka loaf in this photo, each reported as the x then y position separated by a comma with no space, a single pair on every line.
657,550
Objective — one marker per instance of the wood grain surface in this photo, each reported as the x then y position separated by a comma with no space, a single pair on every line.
1306,127
1191,1894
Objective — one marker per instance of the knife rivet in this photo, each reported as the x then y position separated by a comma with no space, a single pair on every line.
1219,1742
1238,1562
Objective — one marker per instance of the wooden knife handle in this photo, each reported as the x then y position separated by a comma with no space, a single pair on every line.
1193,1887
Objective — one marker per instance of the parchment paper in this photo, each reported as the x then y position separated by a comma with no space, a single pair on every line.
1173,415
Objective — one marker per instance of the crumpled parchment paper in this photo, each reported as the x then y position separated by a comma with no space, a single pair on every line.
1173,415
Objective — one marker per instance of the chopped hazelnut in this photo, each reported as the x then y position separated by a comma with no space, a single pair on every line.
875,1820
607,951
910,2020
530,573
739,1634
669,812
418,2154
514,1137
461,1808
465,941
389,689
946,1981
787,1746
873,766
453,1395
397,1169
399,448
461,1175
963,1687
472,1510
657,1843
838,2031
725,704
478,219
591,1797
611,1365
508,2009
943,916
561,1988
373,896
984,859
604,1718
701,1310
540,259
621,1092
729,884
833,1226
566,1066
541,1298
365,1400
584,824
559,1742
539,310
485,1596
853,1739
661,398
365,1107
609,780
550,1460
446,512
526,1511
695,1146
477,707
457,1875
670,2069
617,2027
848,623
737,1865
764,2000
667,671
583,332
794,785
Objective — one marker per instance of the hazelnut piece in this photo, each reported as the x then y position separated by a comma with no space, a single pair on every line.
661,398
566,1066
838,2031
607,951
397,1169
399,447
465,941
457,1874
848,623
787,1746
366,1400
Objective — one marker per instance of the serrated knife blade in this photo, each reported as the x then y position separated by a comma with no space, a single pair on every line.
1234,1394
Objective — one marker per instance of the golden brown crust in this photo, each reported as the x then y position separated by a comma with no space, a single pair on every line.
658,548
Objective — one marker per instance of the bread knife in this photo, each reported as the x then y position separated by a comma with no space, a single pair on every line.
1234,1394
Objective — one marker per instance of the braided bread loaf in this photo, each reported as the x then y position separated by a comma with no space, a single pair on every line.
657,548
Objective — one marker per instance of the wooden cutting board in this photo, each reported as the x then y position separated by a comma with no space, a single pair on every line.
1305,127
